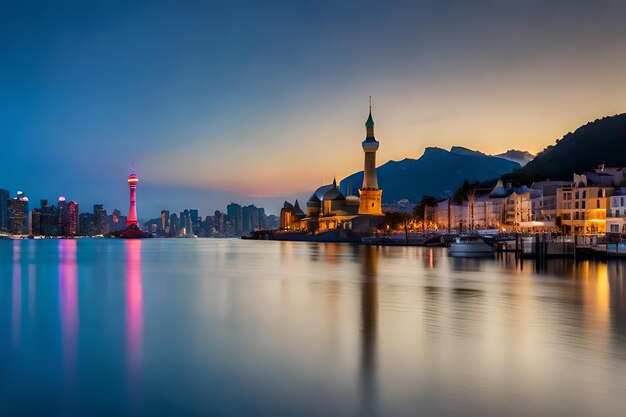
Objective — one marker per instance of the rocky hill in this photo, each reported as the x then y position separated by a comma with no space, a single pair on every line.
602,141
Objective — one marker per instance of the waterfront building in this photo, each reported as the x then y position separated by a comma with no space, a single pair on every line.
497,204
4,210
616,213
329,209
543,204
449,215
370,194
607,177
476,209
582,207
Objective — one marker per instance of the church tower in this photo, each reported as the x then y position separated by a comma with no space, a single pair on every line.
371,196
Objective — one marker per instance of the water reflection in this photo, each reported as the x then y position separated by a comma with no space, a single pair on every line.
430,259
309,329
369,327
617,291
134,307
17,294
68,301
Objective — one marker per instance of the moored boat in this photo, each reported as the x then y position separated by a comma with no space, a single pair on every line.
470,246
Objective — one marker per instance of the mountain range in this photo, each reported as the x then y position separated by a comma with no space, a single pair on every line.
436,172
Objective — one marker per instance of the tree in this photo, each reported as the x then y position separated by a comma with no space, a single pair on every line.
419,211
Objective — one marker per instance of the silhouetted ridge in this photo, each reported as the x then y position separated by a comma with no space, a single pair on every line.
602,141
437,171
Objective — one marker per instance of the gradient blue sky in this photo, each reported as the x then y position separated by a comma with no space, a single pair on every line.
256,100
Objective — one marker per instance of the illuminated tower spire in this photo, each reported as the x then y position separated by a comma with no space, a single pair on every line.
371,196
133,180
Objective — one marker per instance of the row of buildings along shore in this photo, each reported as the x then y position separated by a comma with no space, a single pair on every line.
593,203
64,220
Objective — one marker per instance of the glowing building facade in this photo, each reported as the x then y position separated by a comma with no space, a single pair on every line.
133,180
371,196
329,209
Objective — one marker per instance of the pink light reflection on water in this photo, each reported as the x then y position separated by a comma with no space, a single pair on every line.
68,300
17,293
134,310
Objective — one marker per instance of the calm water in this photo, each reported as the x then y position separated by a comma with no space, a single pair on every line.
229,327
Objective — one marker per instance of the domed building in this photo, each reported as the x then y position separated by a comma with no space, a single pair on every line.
328,208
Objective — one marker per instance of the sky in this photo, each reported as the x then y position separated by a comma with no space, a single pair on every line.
258,101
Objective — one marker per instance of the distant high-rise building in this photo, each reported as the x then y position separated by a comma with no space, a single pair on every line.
235,216
86,224
251,217
165,222
62,216
48,219
218,222
174,225
116,221
100,226
35,222
71,222
195,220
4,210
19,215
186,226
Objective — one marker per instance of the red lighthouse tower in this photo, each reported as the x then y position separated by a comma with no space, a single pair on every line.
133,180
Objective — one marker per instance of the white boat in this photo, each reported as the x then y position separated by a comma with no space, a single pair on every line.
470,246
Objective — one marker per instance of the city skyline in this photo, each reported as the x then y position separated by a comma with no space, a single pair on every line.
211,103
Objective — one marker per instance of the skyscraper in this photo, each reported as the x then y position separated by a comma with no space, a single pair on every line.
251,219
62,216
48,219
174,225
235,216
371,196
165,222
195,220
99,220
4,210
71,222
35,222
18,215
133,180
